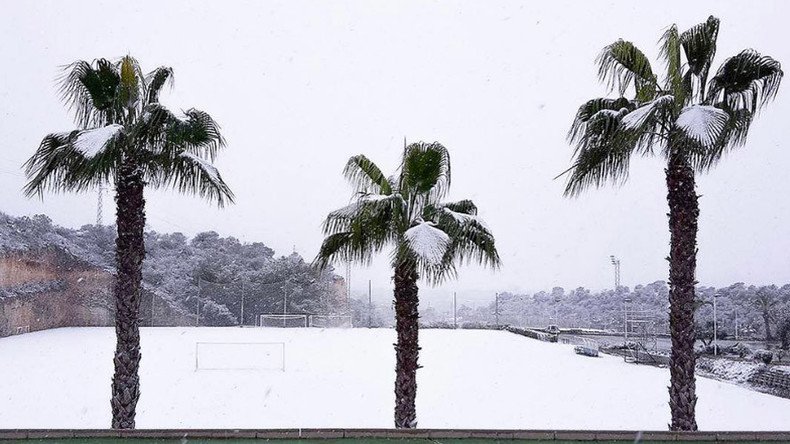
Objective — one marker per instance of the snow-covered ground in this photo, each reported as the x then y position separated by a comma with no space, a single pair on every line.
343,378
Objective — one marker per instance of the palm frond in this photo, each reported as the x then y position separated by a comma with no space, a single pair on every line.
188,174
60,163
699,44
365,176
621,64
159,130
602,154
748,80
590,108
471,239
380,212
131,90
703,124
670,52
155,81
90,92
425,170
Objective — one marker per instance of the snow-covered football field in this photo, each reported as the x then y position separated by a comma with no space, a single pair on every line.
343,378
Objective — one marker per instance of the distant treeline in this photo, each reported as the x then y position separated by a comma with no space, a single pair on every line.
757,311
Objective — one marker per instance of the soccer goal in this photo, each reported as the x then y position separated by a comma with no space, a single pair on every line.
282,320
331,321
240,356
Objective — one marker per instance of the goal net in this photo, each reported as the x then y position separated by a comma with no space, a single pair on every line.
280,320
330,321
239,356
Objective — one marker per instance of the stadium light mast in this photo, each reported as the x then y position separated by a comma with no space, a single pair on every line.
616,265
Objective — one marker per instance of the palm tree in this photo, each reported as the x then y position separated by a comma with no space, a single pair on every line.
690,120
429,238
129,139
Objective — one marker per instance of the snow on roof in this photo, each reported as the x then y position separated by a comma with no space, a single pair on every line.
702,123
93,141
637,117
207,167
427,242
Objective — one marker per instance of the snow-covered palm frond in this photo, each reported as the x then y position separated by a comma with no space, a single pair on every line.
639,117
592,107
702,123
189,174
91,142
427,242
385,209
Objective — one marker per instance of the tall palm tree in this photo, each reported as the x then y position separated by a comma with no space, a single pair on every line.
129,139
429,238
690,120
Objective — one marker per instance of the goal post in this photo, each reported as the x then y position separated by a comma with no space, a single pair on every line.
331,321
239,356
282,321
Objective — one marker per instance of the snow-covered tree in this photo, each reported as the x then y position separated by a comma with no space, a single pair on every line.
126,138
429,238
691,120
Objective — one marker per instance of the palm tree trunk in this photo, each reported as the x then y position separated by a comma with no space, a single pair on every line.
407,349
683,214
130,250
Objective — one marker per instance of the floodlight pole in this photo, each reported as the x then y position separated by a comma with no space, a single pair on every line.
370,303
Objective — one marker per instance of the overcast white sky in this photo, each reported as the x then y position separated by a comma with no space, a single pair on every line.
299,86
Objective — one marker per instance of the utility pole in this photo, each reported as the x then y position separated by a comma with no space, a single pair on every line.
370,303
455,312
